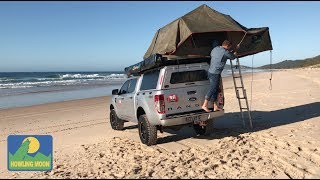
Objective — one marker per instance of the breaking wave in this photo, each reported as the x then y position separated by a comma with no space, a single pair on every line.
28,80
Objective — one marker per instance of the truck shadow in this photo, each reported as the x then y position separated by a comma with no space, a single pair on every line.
231,124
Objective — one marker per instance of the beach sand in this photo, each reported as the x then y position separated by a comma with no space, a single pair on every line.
284,142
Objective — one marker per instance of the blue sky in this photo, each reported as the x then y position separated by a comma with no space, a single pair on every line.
108,36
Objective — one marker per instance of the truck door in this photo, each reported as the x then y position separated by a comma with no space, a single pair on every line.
129,101
120,100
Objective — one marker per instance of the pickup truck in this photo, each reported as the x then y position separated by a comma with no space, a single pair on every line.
166,97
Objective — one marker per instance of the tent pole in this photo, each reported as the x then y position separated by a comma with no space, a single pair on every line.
193,41
242,39
270,86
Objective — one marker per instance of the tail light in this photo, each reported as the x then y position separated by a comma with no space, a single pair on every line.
220,99
159,103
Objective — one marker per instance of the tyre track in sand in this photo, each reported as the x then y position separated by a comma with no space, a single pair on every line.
240,156
58,128
294,161
64,109
248,149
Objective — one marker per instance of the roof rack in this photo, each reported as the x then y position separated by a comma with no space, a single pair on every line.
157,60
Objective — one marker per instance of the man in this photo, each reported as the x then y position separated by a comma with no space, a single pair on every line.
219,57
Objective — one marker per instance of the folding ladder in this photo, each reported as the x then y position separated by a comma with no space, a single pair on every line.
241,88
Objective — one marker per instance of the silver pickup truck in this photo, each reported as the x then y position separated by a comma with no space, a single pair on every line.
166,97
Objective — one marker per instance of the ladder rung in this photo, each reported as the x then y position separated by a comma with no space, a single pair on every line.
239,87
241,98
236,76
244,108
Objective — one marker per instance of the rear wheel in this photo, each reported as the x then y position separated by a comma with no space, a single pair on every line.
147,132
204,130
115,121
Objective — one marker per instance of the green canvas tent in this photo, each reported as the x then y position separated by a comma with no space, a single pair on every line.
194,33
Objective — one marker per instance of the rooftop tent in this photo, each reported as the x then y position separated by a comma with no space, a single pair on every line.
197,31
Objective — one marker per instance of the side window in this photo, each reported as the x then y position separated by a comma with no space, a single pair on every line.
150,80
124,87
132,85
188,76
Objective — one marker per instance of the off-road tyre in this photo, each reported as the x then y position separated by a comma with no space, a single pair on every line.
115,122
147,132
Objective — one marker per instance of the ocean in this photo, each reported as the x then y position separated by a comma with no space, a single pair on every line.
18,89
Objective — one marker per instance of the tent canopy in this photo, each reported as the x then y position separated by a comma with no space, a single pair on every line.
195,32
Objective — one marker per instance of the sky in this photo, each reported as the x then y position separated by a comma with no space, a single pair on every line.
111,35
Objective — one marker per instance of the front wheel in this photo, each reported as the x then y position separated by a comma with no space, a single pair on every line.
147,132
115,121
204,130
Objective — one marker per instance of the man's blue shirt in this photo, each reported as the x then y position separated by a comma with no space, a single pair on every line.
219,57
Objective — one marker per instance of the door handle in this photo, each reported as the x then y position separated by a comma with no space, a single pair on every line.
130,97
191,92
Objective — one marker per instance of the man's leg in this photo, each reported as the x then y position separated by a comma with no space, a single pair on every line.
205,106
209,93
216,107
215,92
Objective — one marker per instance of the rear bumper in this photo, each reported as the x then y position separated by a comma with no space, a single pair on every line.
189,118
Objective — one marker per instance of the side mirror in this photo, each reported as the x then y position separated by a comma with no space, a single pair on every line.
115,92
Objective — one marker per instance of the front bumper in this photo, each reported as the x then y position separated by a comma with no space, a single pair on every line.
189,118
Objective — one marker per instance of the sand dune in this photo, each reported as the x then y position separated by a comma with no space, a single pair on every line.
284,142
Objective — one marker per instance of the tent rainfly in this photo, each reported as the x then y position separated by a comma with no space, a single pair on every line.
195,32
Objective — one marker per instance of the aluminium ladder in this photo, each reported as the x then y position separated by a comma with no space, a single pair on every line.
244,93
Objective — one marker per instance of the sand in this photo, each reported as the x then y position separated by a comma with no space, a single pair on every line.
284,142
